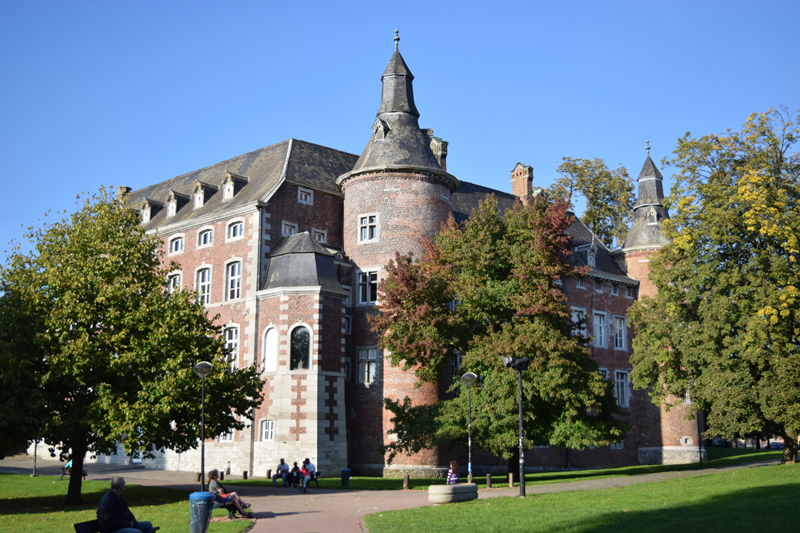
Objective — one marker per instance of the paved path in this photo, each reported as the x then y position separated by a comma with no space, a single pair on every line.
328,510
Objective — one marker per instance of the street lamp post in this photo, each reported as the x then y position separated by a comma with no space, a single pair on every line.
519,364
202,369
469,378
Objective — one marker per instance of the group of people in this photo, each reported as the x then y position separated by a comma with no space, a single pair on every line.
297,477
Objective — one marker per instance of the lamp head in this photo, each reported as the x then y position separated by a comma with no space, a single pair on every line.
469,378
522,364
202,369
508,361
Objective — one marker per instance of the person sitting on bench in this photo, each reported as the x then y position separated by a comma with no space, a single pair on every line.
113,514
281,472
221,494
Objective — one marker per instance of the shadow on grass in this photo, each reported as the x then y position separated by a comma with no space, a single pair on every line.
762,509
135,495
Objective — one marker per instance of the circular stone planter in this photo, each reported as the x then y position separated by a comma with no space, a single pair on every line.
452,493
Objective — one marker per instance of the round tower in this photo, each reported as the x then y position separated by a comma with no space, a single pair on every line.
671,438
396,195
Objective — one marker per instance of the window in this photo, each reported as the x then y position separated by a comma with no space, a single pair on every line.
270,360
319,235
616,445
347,302
368,287
621,388
590,258
173,283
367,365
455,367
205,238
652,217
203,285
267,430
347,368
300,348
628,292
599,329
614,289
233,281
579,283
348,325
176,245
598,285
236,230
620,333
232,346
367,228
288,228
603,372
579,315
226,437
305,196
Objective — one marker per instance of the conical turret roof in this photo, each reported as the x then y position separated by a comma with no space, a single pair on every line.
648,214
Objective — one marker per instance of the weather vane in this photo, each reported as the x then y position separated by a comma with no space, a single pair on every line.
396,38
648,148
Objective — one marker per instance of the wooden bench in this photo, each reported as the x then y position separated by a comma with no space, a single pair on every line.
229,506
93,526
68,471
460,492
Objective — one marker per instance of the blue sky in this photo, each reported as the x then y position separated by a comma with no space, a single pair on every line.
133,93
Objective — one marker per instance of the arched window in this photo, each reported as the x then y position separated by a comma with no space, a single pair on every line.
300,349
271,350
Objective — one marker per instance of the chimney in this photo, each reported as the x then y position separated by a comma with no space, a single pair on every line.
439,147
122,192
522,182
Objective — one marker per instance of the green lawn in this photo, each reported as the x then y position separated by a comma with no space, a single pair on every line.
33,505
757,499
717,457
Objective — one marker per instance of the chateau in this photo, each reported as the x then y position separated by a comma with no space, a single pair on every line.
287,245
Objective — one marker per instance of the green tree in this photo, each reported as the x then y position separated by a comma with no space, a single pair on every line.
607,194
483,290
725,325
104,350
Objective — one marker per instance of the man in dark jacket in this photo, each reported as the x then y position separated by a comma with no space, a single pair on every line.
113,513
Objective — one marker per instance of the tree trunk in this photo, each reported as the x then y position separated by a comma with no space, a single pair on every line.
789,447
76,478
513,464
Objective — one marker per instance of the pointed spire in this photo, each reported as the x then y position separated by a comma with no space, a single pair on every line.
396,38
398,91
648,213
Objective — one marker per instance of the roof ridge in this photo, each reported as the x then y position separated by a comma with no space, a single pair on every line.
323,146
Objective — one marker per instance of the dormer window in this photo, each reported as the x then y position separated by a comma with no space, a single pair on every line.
150,209
590,258
175,201
202,191
232,184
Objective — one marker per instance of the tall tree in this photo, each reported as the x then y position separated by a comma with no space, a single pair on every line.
607,194
483,290
725,325
108,350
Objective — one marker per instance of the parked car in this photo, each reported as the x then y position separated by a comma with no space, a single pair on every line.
718,442
775,445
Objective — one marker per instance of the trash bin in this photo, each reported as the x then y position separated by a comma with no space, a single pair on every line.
202,503
345,477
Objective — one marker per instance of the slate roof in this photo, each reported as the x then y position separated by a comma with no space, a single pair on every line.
300,261
304,163
643,235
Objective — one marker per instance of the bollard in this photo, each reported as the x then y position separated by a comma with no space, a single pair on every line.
488,480
199,477
469,477
510,481
244,474
406,484
221,475
269,473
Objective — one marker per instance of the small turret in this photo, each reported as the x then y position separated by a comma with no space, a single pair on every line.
646,232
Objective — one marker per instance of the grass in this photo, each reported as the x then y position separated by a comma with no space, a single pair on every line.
32,505
717,457
757,499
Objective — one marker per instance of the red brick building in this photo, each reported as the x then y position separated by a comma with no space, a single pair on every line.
287,245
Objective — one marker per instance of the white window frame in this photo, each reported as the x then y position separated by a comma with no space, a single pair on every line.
174,281
620,333
619,445
579,283
598,285
614,289
203,288
310,347
232,340
288,229
319,235
233,280
622,388
234,231
203,232
364,280
367,358
270,351
368,227
629,292
578,313
226,437
603,372
266,431
599,332
305,196
176,245
590,258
